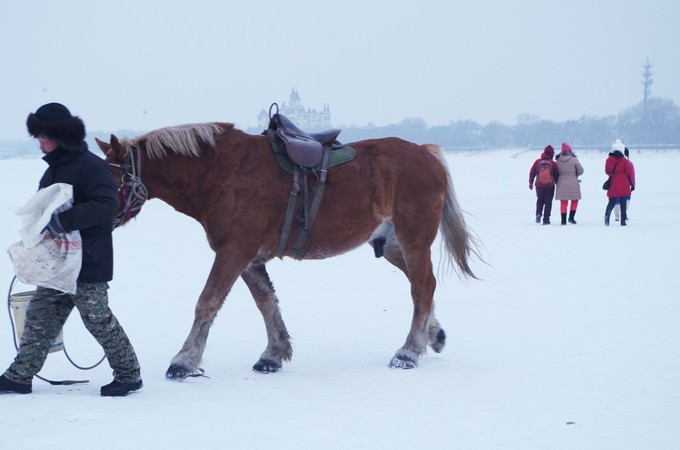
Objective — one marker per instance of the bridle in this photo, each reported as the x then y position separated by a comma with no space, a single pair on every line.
131,193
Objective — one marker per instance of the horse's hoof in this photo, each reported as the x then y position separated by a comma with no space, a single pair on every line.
177,372
440,341
403,361
266,366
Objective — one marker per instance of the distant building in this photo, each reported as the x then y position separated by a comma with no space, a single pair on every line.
305,119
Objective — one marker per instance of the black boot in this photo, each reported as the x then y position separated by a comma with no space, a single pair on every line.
608,211
564,218
538,218
118,389
7,385
571,217
624,211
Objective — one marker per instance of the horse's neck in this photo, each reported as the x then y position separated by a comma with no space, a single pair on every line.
173,182
192,185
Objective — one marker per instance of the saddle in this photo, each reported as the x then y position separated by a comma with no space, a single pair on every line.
301,153
304,149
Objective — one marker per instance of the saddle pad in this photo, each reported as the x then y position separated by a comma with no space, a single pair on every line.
336,157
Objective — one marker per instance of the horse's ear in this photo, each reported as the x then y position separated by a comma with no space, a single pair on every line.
103,146
116,150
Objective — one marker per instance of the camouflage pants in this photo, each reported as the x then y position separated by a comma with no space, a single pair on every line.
45,316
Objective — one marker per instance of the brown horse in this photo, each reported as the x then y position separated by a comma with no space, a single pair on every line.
231,183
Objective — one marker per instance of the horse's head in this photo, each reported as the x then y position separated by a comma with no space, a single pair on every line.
127,168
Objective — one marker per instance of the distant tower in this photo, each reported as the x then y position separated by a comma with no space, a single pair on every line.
646,83
306,118
295,101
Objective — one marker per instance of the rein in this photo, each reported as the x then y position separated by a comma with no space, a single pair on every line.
131,193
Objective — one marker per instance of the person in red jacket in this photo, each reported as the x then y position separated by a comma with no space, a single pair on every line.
623,183
617,208
543,174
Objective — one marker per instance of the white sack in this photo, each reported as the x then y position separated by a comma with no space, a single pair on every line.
41,259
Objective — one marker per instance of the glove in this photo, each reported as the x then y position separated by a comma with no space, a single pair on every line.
632,188
531,186
54,227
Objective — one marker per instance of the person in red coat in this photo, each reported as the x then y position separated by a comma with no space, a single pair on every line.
623,183
543,174
617,208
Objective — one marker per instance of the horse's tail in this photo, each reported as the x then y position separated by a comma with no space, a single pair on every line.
459,242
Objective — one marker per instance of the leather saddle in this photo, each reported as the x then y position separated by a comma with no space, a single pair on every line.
304,149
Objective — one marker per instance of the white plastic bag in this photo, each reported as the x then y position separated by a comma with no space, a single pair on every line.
41,259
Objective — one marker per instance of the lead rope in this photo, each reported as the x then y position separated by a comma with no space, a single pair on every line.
16,345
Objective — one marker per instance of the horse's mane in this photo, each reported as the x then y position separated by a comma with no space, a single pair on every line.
184,140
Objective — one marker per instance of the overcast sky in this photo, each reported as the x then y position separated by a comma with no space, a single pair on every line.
147,64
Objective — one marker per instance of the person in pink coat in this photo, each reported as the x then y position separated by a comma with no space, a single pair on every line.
623,183
568,188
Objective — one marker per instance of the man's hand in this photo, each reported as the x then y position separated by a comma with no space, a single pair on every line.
54,227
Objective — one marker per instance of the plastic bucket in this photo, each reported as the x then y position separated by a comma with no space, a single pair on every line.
18,303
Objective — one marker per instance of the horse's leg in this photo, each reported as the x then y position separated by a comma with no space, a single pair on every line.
422,291
224,272
393,254
425,327
278,341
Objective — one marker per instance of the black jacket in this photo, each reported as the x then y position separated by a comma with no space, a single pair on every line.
95,202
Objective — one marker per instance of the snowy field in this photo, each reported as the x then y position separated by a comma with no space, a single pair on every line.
569,341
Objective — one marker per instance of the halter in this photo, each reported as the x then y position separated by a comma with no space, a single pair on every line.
131,193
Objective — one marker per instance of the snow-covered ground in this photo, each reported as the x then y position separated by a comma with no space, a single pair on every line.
569,341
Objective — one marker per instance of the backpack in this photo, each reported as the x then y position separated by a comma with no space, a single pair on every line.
544,173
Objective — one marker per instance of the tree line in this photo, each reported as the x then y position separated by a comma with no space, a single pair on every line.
655,124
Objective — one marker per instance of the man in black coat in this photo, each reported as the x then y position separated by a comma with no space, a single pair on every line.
95,200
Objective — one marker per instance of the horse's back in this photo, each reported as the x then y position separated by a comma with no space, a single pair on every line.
400,157
392,169
390,179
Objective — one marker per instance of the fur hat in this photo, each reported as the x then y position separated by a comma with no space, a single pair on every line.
618,145
549,151
55,121
566,148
